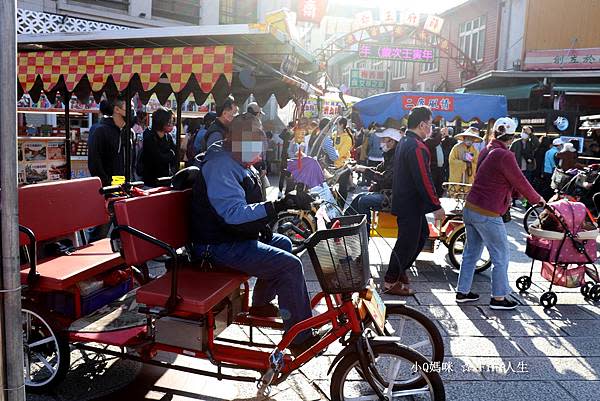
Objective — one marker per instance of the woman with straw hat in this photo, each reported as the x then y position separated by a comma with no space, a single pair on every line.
463,158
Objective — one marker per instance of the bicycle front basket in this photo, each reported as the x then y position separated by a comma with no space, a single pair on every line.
340,256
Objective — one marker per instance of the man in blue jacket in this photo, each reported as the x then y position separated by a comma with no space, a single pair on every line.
413,196
230,226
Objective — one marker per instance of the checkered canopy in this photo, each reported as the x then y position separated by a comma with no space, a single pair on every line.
206,64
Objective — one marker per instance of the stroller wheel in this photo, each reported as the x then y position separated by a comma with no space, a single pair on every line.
548,299
585,289
523,283
594,293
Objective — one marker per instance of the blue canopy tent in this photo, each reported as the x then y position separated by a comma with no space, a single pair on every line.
447,105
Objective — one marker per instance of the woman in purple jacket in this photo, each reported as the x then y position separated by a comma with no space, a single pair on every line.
497,179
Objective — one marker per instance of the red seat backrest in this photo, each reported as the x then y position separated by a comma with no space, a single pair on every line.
165,216
60,208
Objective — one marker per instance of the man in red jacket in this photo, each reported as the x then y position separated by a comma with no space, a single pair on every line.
498,177
413,196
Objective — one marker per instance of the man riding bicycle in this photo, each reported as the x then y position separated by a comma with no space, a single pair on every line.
230,226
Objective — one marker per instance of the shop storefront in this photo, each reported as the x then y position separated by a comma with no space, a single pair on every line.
53,78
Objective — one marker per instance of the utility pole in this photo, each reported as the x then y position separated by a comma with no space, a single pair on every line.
11,330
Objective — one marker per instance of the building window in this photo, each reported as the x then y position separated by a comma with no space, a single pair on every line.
471,38
121,5
177,10
238,12
398,69
432,42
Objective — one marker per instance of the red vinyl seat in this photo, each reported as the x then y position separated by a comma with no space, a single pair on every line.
56,209
62,272
165,216
199,291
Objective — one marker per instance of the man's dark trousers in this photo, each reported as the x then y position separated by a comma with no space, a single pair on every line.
413,231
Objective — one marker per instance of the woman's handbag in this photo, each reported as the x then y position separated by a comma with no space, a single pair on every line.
506,217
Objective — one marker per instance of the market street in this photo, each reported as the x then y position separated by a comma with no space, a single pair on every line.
528,353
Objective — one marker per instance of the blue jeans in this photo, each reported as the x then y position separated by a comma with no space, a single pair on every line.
363,203
491,232
279,273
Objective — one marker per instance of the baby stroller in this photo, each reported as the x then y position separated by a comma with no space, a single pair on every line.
565,242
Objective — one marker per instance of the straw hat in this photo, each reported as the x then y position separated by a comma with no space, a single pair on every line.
468,134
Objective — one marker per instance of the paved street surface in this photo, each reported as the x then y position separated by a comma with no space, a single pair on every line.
524,354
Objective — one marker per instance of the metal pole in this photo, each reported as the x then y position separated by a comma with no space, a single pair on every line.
179,100
11,331
67,100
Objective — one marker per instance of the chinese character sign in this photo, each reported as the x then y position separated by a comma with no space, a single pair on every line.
436,103
433,24
396,53
410,19
363,19
563,59
311,10
387,15
371,79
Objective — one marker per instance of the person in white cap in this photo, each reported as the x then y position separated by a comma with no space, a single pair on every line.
497,179
463,158
255,109
567,157
382,176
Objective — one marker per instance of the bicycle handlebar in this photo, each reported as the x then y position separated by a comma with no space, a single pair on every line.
112,189
289,226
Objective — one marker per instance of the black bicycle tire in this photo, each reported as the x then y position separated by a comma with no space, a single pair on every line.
452,257
435,336
526,217
348,362
62,346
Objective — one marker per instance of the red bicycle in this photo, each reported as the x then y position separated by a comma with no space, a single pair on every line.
187,311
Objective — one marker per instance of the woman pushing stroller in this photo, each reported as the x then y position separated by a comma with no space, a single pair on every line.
498,177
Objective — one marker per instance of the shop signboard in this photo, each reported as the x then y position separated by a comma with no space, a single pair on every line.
563,59
435,102
396,53
369,79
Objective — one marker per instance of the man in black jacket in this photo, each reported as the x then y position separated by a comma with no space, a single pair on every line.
105,150
218,130
413,197
159,152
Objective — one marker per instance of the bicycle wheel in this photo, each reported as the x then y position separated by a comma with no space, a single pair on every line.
399,372
297,220
46,353
531,217
456,246
415,330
